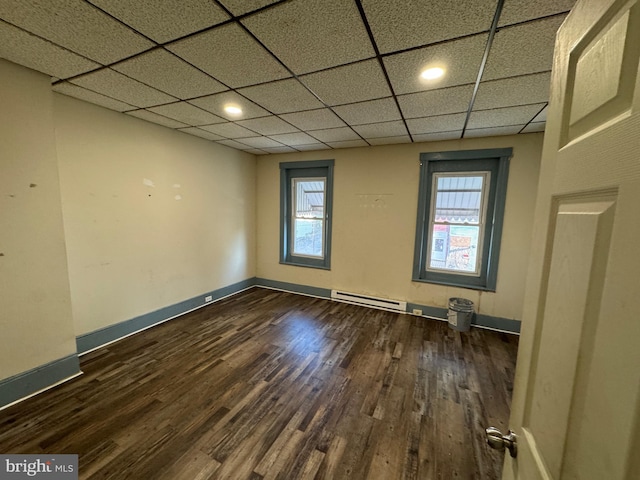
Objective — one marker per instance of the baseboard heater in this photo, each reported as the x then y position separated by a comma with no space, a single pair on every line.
367,301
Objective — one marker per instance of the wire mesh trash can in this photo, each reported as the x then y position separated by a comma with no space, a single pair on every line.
460,314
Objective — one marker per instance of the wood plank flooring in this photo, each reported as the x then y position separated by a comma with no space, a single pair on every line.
271,385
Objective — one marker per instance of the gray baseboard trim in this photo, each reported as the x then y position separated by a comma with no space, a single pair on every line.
427,311
90,341
497,323
479,320
294,288
32,381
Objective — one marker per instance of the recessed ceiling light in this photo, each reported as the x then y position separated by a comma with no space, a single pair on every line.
432,73
233,110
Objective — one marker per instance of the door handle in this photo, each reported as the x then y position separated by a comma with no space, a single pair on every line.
498,441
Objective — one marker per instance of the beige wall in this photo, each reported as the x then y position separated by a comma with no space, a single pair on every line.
35,304
154,216
134,248
374,221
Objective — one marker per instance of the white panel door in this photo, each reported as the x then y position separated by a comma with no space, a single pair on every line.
576,403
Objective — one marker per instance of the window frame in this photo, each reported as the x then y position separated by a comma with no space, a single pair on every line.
482,220
495,161
304,170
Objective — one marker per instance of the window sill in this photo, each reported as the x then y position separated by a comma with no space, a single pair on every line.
482,288
299,264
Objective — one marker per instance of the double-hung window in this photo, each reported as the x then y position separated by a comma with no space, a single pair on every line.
460,211
306,190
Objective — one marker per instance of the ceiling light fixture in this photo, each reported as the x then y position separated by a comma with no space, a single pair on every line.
233,110
432,73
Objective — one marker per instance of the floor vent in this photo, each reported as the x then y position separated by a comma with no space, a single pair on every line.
367,301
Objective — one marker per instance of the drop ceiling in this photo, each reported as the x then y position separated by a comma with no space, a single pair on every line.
307,74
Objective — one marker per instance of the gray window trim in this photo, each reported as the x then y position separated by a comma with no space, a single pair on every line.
496,160
289,170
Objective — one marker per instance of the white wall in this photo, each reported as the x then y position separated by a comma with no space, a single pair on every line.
35,304
374,221
134,248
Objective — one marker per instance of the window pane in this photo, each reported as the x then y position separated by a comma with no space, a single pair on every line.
307,237
309,202
455,248
308,227
458,199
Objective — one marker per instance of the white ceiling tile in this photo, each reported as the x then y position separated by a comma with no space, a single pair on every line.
93,97
348,144
282,149
201,133
230,55
542,116
334,134
516,11
168,73
256,151
271,125
116,85
293,32
385,129
283,96
293,139
513,91
523,49
352,83
324,41
492,131
389,140
240,7
216,104
234,144
373,111
411,23
434,137
187,113
164,20
312,146
534,127
436,102
246,148
76,25
438,123
459,58
33,52
229,130
314,119
260,142
155,118
500,117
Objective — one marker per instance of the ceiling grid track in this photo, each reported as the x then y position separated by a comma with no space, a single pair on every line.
483,64
344,71
381,63
293,75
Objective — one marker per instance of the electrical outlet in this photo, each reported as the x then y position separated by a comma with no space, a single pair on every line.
417,311
208,298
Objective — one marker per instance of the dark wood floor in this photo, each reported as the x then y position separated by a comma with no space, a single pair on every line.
268,384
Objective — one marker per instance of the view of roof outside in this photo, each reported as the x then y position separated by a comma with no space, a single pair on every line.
456,225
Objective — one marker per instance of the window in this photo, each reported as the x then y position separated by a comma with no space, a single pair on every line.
305,213
460,211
